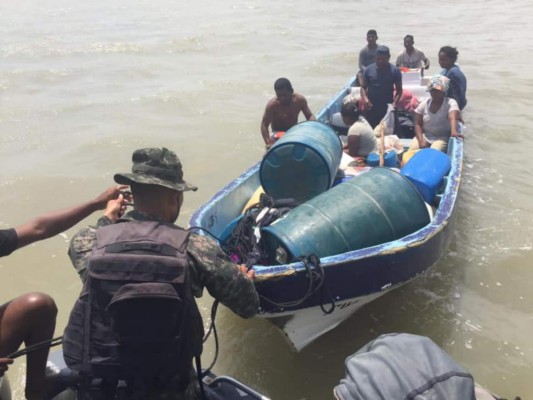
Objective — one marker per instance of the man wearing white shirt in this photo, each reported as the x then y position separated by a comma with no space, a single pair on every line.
411,57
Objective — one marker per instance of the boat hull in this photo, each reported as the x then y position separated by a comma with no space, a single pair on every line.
304,326
348,285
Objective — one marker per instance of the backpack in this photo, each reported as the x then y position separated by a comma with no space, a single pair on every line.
136,319
404,367
404,126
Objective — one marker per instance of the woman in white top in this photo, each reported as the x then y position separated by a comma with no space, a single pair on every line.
361,138
436,117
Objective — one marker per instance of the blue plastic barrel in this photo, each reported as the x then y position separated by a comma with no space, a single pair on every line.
390,159
303,163
426,170
373,208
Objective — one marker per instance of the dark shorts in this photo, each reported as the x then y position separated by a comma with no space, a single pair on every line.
375,115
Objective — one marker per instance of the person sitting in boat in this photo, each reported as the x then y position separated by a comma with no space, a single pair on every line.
157,186
31,318
361,140
379,82
281,112
436,117
447,61
367,55
411,57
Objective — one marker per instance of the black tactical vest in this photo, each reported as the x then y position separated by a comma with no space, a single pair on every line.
136,316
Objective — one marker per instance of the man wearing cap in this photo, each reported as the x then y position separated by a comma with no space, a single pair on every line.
380,80
157,186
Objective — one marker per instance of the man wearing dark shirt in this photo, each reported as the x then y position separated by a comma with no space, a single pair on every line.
30,318
379,82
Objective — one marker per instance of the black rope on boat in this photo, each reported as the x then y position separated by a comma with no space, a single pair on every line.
212,328
315,274
37,346
331,299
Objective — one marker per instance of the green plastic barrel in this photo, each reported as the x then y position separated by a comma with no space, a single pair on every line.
303,163
373,208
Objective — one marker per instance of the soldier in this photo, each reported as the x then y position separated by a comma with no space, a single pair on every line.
157,187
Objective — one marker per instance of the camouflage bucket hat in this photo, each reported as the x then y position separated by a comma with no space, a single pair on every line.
156,166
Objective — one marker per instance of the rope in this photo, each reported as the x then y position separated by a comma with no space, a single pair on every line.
315,274
37,346
212,328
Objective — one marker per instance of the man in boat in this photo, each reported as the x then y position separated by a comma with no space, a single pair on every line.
157,186
31,318
380,81
411,57
281,112
367,55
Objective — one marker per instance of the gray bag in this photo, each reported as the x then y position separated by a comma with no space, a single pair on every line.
404,367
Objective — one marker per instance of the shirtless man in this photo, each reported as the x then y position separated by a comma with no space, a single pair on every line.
282,111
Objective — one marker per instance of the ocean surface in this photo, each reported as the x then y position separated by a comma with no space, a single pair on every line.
83,84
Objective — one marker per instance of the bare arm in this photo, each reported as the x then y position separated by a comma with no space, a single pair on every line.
361,66
265,123
361,70
307,111
366,103
419,131
360,78
453,116
55,222
353,145
425,61
399,90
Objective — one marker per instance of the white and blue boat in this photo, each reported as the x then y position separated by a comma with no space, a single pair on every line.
306,305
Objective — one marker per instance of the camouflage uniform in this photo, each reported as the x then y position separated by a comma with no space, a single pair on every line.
209,267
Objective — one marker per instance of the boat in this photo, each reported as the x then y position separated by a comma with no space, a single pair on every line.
304,307
67,383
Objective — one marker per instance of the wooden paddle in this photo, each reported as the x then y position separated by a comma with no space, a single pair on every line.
382,148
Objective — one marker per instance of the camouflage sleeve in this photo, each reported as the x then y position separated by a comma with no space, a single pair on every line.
212,269
82,244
